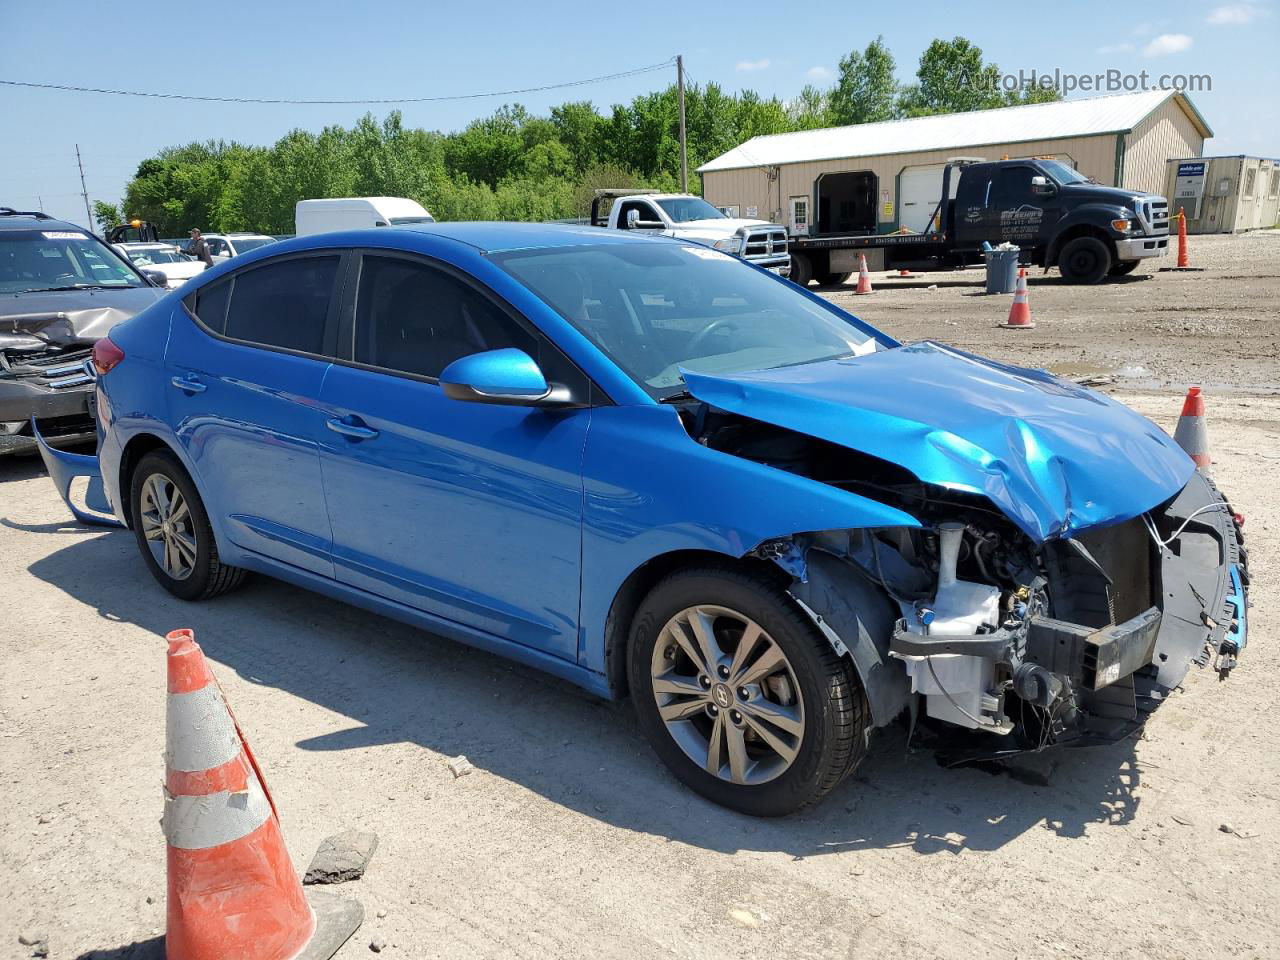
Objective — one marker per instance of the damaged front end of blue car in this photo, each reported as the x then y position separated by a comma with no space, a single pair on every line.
1070,564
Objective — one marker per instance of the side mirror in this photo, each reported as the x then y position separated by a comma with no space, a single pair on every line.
1041,187
155,277
635,223
507,376
633,218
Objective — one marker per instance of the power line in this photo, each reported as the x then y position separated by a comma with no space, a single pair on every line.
384,100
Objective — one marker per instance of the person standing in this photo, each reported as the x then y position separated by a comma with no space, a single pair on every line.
199,248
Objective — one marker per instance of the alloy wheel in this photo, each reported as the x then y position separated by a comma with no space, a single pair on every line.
167,526
727,694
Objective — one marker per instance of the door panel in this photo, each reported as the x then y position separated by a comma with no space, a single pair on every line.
468,511
251,435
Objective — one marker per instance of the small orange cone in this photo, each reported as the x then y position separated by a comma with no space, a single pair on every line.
1020,311
233,891
903,272
1191,434
864,278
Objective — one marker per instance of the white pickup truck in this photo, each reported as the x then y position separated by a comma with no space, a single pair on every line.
688,217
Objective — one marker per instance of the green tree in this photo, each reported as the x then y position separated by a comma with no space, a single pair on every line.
952,78
107,215
867,88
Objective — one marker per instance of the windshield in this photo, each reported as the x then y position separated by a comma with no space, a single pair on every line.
245,244
59,259
149,257
398,221
654,308
684,209
1062,173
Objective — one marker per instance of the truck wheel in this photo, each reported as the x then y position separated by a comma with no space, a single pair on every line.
1084,260
1126,268
834,279
801,269
740,695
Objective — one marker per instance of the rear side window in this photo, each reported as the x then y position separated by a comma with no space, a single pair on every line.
211,305
416,319
282,304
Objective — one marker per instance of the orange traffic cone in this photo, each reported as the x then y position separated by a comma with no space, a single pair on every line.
1191,434
1020,311
1184,257
903,272
232,890
864,278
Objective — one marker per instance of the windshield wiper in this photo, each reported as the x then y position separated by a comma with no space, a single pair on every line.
678,397
81,286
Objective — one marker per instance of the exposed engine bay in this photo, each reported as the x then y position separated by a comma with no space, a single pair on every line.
1072,639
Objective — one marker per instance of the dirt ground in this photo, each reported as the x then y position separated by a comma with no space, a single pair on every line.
570,839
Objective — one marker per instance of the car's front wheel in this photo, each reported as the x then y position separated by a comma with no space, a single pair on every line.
173,531
1084,260
739,693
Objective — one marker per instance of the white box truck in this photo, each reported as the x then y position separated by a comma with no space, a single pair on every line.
356,213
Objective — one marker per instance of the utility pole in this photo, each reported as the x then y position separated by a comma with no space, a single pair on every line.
684,147
84,192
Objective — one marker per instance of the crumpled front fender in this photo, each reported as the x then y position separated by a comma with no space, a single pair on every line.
66,467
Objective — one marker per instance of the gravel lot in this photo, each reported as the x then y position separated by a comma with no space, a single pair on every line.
570,839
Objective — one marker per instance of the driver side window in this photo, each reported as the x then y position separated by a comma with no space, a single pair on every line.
643,210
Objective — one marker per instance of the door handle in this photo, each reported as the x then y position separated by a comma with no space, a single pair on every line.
188,384
351,427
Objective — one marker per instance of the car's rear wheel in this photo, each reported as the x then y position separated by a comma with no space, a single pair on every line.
739,693
173,531
834,279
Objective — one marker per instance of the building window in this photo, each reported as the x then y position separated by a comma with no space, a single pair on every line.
1250,176
800,216
1275,183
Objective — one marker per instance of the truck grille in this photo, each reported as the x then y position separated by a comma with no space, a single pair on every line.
766,244
1155,213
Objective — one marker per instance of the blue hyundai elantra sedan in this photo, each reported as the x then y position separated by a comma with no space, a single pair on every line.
658,471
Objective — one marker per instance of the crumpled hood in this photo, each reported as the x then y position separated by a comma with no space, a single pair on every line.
73,316
1056,458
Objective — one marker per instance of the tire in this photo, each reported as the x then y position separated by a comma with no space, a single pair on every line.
203,575
1125,268
801,269
1084,260
834,279
815,691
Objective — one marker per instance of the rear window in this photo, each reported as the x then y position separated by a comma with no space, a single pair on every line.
282,304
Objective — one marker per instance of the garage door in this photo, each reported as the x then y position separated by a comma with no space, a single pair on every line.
921,190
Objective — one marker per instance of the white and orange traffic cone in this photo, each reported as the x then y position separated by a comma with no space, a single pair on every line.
1184,256
864,278
232,891
1020,311
1191,434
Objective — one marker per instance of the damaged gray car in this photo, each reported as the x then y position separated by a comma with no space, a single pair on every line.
61,290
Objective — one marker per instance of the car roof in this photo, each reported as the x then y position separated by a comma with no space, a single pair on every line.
31,221
498,237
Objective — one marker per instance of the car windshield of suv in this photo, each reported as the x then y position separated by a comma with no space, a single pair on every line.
245,244
1062,173
655,308
684,209
32,260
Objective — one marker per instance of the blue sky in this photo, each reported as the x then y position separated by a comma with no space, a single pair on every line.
326,49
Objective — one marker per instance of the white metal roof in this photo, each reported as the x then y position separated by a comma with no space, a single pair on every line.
1037,121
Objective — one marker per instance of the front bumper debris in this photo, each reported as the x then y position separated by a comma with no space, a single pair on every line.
64,468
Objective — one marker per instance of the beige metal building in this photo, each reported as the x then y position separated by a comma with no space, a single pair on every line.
1225,194
879,177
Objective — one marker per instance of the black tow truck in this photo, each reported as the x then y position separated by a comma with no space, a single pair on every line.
1057,216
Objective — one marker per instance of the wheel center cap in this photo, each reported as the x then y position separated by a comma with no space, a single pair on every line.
721,694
